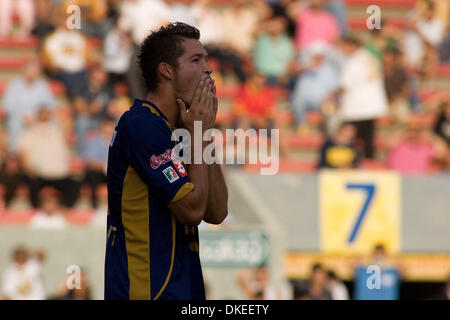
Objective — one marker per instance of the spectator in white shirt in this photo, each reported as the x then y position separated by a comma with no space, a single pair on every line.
22,280
117,52
49,215
425,33
24,9
45,156
336,287
363,96
66,55
142,16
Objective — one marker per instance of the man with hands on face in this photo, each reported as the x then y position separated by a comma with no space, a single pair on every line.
155,201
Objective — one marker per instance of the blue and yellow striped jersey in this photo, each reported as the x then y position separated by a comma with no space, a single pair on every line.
149,254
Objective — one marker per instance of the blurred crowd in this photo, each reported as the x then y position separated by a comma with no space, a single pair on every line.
23,279
57,117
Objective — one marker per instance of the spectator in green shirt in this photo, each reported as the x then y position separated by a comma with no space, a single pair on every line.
274,51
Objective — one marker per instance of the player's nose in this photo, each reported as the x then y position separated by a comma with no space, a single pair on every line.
208,68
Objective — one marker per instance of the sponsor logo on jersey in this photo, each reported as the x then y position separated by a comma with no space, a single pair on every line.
171,174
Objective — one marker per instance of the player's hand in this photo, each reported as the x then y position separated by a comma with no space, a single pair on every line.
215,100
202,107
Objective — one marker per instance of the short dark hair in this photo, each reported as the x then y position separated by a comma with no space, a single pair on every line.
317,266
163,45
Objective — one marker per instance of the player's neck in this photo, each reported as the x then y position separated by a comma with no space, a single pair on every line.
166,103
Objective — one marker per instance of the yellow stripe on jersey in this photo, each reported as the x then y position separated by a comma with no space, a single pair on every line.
183,191
135,220
153,110
172,258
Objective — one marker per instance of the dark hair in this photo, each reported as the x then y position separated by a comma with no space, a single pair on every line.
317,266
351,39
331,274
163,45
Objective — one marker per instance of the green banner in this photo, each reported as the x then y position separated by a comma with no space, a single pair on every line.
233,249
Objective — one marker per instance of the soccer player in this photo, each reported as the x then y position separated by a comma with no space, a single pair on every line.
156,202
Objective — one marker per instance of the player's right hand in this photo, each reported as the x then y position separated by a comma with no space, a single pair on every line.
202,108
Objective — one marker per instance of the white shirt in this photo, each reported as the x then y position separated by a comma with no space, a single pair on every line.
45,147
116,57
338,291
413,45
43,220
209,22
66,50
143,16
364,96
24,283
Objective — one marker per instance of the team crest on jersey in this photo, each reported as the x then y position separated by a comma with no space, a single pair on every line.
171,174
180,168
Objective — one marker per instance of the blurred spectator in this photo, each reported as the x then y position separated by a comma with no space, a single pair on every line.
117,52
287,9
240,20
141,16
363,96
383,276
49,214
93,105
338,9
442,126
11,177
255,284
274,52
210,23
413,150
254,106
181,12
397,85
441,12
24,9
66,56
22,279
445,292
316,24
340,150
425,33
81,293
45,10
317,81
388,37
96,156
45,157
317,285
336,287
94,13
23,96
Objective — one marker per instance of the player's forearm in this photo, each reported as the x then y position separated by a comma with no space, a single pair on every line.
198,174
217,204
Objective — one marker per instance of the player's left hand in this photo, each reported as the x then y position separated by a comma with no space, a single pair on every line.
215,100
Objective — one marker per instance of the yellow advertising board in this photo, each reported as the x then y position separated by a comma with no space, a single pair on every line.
412,266
359,209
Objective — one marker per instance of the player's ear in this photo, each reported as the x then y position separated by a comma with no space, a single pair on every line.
166,70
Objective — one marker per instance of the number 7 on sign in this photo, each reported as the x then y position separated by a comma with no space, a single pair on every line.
370,190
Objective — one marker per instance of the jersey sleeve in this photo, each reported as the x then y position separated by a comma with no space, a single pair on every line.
150,153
